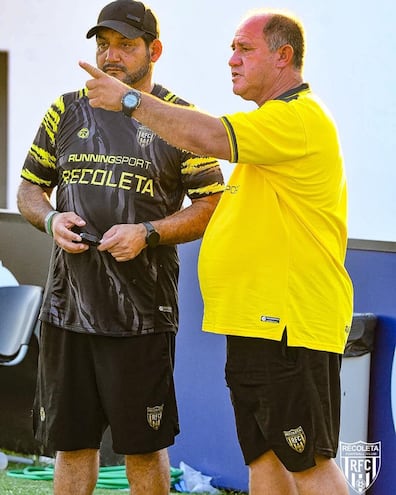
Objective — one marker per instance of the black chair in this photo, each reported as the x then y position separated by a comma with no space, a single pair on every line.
19,309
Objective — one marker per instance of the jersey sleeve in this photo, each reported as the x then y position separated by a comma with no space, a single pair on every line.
201,176
40,164
271,134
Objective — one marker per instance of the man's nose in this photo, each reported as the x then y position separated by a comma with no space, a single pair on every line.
234,60
112,53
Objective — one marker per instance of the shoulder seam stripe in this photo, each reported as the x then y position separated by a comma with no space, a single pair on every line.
232,140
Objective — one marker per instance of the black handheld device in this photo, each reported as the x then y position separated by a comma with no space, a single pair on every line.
86,238
90,239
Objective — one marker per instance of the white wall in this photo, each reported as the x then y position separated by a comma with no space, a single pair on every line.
350,64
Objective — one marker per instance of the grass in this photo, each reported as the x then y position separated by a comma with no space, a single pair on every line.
21,486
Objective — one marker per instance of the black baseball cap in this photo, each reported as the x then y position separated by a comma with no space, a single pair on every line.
127,17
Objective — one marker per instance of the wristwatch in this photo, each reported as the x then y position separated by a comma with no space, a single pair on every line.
130,101
152,237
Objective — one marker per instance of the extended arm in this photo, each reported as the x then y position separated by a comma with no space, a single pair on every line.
183,127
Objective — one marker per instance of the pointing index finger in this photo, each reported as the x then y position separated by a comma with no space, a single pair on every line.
92,71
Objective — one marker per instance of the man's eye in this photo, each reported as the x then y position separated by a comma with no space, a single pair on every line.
127,47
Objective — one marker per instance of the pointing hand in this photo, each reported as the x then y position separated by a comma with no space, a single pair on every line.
104,91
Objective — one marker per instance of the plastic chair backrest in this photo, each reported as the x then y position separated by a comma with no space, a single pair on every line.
19,309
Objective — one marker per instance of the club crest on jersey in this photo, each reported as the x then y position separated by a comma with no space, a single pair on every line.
144,136
296,439
154,416
360,463
83,133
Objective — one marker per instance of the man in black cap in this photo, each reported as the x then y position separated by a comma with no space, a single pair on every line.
110,312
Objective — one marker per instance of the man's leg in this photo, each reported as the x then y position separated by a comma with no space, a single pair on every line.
76,472
149,473
268,476
325,478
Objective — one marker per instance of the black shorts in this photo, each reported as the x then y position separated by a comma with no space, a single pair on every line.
285,399
87,382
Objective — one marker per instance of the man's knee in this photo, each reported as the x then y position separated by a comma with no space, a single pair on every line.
149,473
82,455
325,478
76,472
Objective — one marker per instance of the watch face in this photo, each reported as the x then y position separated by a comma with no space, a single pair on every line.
153,239
131,100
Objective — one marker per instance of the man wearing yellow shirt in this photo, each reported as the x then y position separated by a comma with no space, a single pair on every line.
271,264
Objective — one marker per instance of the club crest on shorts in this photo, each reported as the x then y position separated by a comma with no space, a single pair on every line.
144,136
154,416
42,414
296,439
360,463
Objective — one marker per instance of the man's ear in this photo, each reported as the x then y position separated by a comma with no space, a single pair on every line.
285,56
155,50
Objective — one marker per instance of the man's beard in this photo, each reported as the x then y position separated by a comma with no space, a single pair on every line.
131,78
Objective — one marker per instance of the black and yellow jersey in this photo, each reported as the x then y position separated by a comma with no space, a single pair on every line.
110,169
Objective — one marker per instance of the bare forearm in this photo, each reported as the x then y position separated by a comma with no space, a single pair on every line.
187,224
184,127
34,203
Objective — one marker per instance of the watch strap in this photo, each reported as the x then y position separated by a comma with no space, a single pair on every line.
152,236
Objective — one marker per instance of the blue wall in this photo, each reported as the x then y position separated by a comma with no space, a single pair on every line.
374,277
208,441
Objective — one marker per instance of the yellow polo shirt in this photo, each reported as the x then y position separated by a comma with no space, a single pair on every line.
273,253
